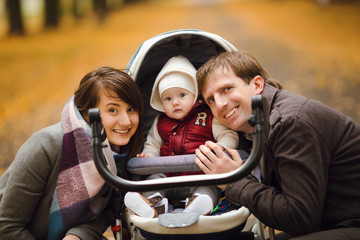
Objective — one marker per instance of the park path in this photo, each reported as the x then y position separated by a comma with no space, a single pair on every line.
313,50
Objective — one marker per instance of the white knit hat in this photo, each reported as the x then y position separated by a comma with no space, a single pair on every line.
176,79
177,72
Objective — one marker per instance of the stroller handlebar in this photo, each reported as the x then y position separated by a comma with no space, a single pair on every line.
98,136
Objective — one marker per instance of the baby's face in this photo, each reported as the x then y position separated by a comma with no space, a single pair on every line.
177,102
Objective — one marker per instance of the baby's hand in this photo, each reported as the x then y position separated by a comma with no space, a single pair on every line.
142,155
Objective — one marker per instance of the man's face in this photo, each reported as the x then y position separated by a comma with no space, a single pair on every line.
229,98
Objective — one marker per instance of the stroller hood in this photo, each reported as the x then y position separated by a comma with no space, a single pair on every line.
196,45
148,60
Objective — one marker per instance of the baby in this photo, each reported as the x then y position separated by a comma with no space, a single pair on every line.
184,124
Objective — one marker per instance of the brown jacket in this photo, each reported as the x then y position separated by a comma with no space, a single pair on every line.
312,155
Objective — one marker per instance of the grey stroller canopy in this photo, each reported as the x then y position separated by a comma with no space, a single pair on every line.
196,45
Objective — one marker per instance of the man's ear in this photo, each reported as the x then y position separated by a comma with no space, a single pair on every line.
259,84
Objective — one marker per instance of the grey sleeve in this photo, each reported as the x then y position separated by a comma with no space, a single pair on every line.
23,186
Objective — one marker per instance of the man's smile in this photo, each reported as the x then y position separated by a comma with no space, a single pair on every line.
231,112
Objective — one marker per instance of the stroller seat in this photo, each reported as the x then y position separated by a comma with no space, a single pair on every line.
223,225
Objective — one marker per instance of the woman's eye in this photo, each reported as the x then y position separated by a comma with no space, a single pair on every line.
211,100
131,109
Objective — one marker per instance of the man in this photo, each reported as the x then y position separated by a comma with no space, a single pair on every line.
312,152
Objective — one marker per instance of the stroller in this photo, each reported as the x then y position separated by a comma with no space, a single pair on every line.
198,46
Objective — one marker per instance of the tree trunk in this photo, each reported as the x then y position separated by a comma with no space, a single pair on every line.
75,10
51,13
100,9
16,26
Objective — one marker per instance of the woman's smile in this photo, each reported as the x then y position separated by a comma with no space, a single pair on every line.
121,131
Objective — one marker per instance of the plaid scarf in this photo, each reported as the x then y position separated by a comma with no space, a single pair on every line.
77,198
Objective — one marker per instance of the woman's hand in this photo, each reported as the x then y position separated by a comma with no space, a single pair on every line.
71,237
211,159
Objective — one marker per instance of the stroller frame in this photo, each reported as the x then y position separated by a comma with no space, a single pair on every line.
198,46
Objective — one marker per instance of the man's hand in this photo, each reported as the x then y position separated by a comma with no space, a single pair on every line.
211,159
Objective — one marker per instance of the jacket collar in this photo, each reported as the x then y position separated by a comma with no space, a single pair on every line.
269,95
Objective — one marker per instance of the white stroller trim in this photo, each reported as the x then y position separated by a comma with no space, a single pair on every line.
214,224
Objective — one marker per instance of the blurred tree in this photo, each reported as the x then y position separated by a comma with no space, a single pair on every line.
100,9
51,13
75,9
323,2
16,26
130,1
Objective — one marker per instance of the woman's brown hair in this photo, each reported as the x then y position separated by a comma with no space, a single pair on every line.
244,66
106,78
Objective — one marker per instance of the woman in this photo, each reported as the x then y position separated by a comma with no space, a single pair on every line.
52,190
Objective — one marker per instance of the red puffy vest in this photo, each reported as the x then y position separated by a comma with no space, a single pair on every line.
186,135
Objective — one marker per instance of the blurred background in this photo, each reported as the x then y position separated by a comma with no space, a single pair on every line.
47,46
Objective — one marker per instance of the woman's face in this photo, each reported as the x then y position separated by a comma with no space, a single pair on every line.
120,120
